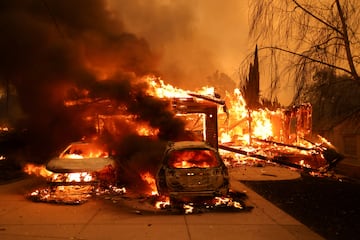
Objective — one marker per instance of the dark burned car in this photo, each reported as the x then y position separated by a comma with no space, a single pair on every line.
192,170
82,163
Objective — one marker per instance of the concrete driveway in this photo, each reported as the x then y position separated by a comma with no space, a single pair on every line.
102,218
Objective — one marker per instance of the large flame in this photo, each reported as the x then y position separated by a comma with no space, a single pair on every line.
158,88
257,131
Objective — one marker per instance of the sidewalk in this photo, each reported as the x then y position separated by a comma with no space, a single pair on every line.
103,219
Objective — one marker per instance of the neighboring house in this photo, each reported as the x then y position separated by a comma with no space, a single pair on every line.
344,134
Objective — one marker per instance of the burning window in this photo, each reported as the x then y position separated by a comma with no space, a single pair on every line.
190,158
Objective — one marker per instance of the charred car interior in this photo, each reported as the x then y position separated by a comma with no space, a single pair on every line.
190,170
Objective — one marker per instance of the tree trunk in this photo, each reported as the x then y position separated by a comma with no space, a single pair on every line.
346,42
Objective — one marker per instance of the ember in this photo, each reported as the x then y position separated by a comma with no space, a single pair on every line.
228,202
73,195
216,203
162,203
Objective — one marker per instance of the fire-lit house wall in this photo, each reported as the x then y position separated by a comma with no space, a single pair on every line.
345,136
348,142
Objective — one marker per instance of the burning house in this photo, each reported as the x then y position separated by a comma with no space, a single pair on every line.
78,79
281,136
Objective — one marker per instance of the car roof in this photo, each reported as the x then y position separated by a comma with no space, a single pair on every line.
189,144
81,143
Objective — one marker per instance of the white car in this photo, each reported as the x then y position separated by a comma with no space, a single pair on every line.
83,162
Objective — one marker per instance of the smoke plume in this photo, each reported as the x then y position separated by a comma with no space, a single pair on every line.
54,51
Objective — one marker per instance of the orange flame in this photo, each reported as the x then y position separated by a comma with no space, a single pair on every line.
163,202
37,170
85,151
149,179
158,88
41,171
192,158
72,177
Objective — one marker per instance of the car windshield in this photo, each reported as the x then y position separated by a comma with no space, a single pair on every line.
84,150
190,158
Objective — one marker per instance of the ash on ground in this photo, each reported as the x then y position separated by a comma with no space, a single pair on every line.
155,204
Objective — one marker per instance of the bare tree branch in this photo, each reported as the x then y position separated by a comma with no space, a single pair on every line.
321,34
316,17
347,42
307,57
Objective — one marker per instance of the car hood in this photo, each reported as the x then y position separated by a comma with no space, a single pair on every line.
68,165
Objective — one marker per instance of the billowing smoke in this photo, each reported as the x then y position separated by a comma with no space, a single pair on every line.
194,38
54,51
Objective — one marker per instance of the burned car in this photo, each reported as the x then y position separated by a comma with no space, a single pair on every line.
83,163
192,170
